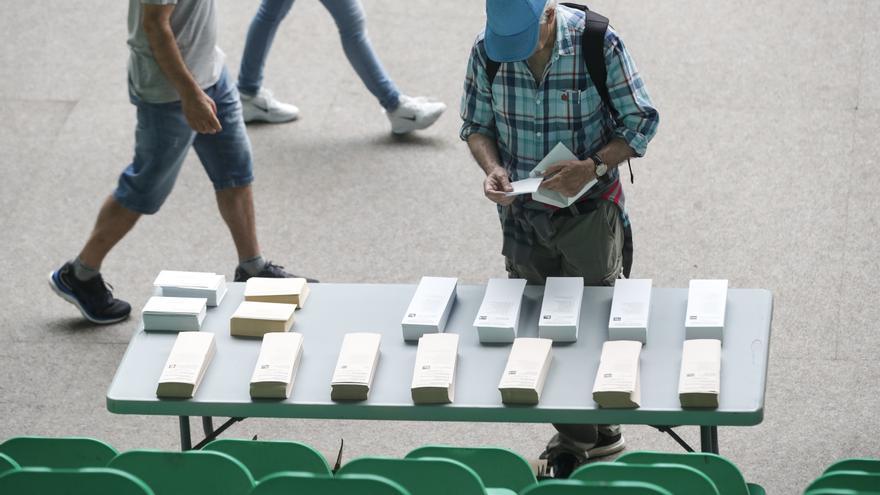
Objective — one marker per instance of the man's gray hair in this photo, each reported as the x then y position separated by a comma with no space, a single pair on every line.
550,5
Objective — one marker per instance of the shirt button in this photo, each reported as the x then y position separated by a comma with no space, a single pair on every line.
538,134
539,101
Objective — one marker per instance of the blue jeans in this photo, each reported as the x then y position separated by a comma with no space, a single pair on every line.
163,138
351,22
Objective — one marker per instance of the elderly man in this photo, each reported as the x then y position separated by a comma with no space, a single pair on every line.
528,87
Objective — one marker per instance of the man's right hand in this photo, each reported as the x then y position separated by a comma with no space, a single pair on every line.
201,113
496,184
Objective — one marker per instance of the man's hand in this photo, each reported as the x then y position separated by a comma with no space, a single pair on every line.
201,113
569,177
496,184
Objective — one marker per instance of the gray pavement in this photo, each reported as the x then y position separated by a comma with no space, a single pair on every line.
764,171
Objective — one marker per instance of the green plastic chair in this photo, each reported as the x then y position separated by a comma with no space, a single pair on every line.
569,487
86,481
496,467
59,453
848,480
308,483
726,476
837,491
263,458
675,478
7,464
425,476
186,473
864,465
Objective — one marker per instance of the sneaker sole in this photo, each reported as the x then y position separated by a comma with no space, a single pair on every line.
265,117
72,300
606,450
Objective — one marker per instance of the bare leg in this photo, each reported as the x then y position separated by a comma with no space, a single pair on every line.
236,206
113,223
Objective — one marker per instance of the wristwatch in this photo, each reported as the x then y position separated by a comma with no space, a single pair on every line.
601,167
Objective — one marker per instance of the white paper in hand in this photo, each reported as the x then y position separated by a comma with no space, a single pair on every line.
559,153
525,186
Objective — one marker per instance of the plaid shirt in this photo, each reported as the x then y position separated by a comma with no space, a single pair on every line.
526,120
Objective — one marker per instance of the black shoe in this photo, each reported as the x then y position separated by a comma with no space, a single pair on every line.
92,297
271,270
606,445
563,465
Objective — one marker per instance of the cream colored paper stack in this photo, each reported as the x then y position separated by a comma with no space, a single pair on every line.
276,367
186,365
255,319
699,382
617,379
526,371
434,372
277,290
355,367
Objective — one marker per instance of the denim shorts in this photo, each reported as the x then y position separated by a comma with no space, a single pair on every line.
163,138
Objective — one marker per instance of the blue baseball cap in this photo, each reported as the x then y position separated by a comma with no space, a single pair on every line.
512,28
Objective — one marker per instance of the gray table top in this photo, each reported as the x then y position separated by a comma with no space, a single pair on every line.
335,309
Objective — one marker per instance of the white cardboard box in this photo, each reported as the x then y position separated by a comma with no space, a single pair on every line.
429,308
275,371
174,314
526,371
434,371
630,310
706,307
173,283
498,317
356,366
617,382
699,383
561,309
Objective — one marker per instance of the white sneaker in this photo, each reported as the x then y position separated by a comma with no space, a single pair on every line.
414,113
263,107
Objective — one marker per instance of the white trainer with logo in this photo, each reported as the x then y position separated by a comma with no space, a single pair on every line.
263,107
414,113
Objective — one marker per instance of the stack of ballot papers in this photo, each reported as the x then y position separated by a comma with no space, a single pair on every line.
630,310
561,309
355,367
434,372
707,304
186,365
699,382
430,307
276,366
498,317
174,314
559,153
617,380
211,286
255,319
277,290
526,371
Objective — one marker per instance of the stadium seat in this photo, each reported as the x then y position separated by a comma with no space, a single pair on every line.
864,465
727,478
425,476
570,487
675,478
7,463
496,467
307,483
848,480
86,481
186,473
263,458
67,452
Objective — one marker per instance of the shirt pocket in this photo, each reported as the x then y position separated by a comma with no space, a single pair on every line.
586,119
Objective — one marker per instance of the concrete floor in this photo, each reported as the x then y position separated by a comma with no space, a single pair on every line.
764,171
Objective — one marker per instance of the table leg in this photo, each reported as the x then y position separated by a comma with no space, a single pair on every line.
709,439
185,437
715,440
208,425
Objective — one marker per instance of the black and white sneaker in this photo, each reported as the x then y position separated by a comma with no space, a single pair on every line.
93,298
271,270
606,445
564,456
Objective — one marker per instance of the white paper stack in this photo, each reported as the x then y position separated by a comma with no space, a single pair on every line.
707,303
699,382
617,379
256,319
174,314
498,317
434,372
276,366
186,365
526,371
277,290
561,309
559,153
630,310
355,367
211,286
429,308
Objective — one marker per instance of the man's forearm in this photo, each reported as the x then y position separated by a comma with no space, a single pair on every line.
485,152
157,27
615,152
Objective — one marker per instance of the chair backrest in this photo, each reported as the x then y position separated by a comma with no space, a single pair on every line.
58,453
426,476
186,473
571,487
7,463
305,483
263,458
848,480
836,491
865,465
496,467
86,481
675,478
727,478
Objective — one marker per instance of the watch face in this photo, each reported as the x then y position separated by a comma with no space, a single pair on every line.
601,169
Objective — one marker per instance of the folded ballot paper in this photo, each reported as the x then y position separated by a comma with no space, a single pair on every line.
559,153
434,372
526,371
174,314
630,309
277,290
355,367
699,382
617,379
707,303
498,316
211,286
429,308
561,309
186,365
276,366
